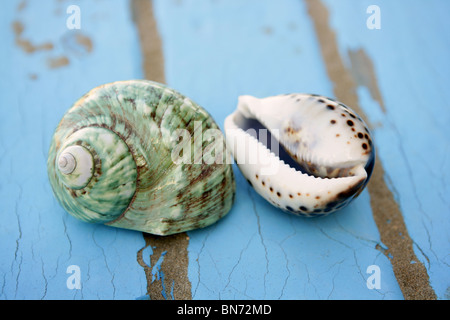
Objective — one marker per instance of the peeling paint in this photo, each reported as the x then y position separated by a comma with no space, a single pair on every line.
412,278
25,44
73,43
151,46
363,72
58,62
169,254
164,260
77,43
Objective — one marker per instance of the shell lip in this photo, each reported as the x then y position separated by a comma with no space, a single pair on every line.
269,140
292,118
290,190
238,121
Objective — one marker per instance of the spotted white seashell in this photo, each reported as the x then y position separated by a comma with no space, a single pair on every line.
317,156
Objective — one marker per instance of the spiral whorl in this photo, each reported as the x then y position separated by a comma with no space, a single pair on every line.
76,166
103,180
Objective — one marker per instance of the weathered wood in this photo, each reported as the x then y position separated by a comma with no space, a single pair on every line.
213,53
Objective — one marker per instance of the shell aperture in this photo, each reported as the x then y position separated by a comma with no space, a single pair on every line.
319,155
112,161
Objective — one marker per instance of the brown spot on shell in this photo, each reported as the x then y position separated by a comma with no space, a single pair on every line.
350,192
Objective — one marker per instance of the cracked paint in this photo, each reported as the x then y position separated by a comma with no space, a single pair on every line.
72,42
214,53
38,239
260,237
413,279
173,268
260,252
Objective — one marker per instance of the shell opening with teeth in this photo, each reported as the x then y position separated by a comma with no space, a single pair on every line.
312,155
111,161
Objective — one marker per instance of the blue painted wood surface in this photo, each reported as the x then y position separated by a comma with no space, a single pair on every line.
413,136
213,53
39,241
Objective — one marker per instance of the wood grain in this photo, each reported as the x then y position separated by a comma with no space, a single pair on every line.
174,284
412,278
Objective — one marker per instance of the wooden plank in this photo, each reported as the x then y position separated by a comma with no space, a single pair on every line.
411,114
38,240
213,54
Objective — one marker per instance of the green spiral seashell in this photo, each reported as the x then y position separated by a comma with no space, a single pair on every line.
133,154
